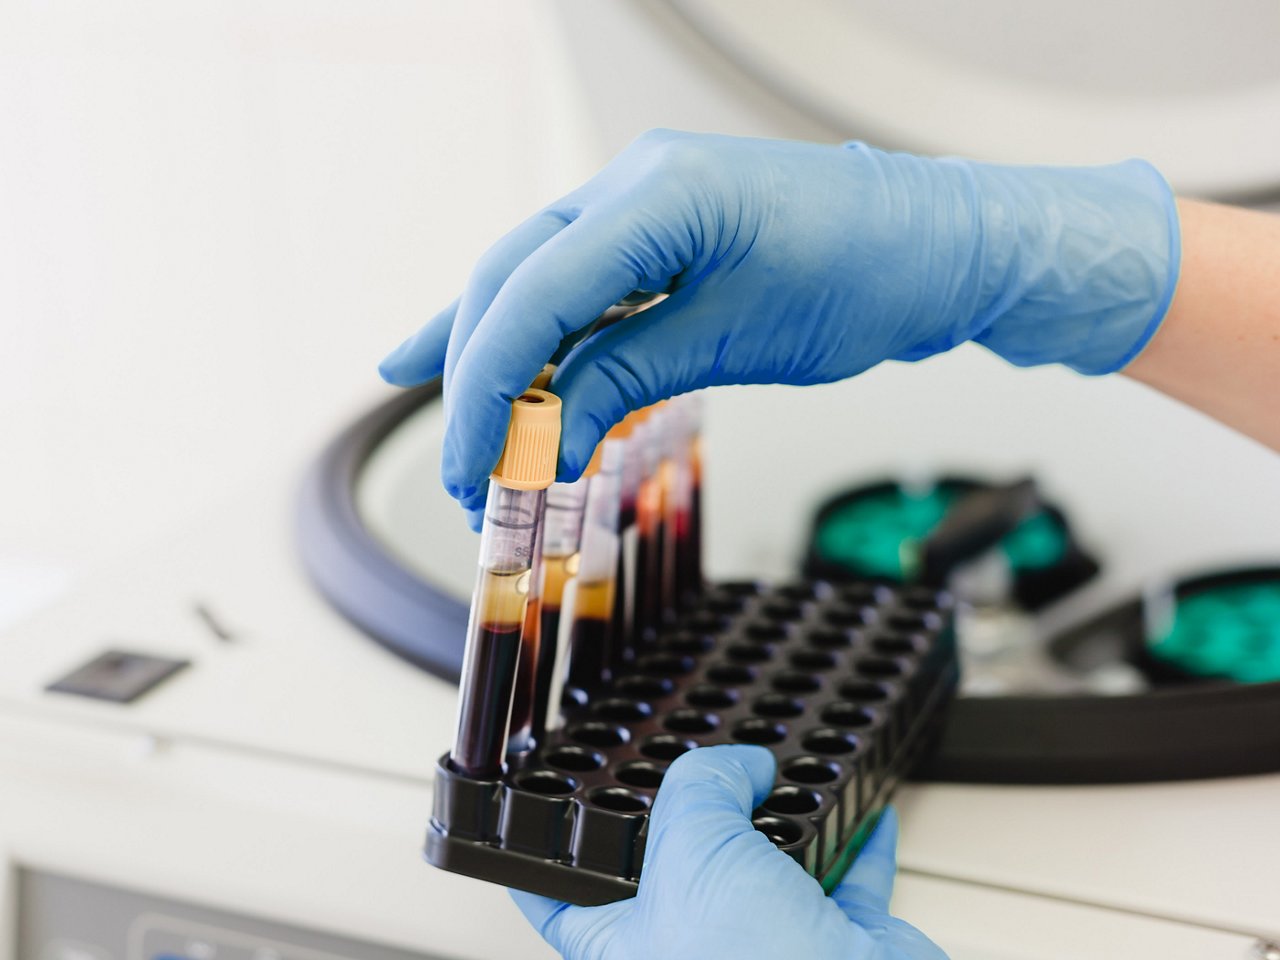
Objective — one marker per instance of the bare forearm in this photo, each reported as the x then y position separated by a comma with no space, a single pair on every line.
1218,349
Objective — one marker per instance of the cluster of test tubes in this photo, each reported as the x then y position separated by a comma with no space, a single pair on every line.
576,579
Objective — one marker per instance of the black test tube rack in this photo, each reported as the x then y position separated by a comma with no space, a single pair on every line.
845,684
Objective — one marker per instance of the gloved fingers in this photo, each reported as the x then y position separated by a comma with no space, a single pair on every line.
868,886
559,288
706,799
474,502
491,272
573,932
538,910
675,346
421,357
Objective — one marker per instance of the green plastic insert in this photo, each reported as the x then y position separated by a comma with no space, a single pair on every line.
1230,631
877,535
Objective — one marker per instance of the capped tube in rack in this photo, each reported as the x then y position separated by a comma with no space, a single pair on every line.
496,630
590,637
561,534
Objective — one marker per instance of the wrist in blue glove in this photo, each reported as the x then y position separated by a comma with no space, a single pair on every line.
790,263
713,886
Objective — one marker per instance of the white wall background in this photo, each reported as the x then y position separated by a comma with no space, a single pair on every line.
215,218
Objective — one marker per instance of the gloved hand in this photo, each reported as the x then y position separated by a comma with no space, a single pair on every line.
713,886
790,263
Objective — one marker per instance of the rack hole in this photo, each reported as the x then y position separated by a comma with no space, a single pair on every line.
710,695
897,646
865,594
749,652
780,831
571,698
664,664
577,759
829,741
644,688
792,801
619,799
766,630
639,773
622,710
792,681
731,674
687,642
691,721
597,734
782,610
758,730
830,638
847,715
875,667
848,615
725,604
799,591
811,770
918,620
707,621
546,783
813,660
862,691
922,598
665,747
778,705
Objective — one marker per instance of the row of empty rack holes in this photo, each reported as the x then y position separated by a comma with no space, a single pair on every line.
793,799
758,642
715,612
841,720
830,740
775,624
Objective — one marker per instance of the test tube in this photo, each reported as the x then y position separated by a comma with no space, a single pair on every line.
497,628
631,432
561,534
591,638
527,711
689,536
524,697
677,495
650,529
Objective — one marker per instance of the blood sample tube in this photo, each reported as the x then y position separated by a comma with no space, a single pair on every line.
496,630
676,502
526,714
650,529
689,575
561,533
520,729
591,635
631,434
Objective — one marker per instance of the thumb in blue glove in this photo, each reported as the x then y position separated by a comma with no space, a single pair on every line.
714,886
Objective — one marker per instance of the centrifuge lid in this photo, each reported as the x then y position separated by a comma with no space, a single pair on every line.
360,556
1195,88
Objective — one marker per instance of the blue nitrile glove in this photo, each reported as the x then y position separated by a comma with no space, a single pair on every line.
791,263
713,886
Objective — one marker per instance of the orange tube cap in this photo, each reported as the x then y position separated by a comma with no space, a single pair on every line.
528,460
